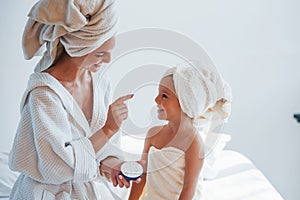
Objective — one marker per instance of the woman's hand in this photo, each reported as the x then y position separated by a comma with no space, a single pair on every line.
119,180
117,113
110,168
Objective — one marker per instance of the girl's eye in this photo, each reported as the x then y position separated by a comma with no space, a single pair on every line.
164,96
99,55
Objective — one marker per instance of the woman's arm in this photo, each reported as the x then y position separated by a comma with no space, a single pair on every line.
193,163
117,113
110,166
44,148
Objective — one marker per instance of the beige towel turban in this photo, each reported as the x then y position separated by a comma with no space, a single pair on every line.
201,90
78,26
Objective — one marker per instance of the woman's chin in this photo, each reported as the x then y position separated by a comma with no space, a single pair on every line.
95,68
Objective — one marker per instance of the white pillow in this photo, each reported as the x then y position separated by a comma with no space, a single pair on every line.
214,143
7,177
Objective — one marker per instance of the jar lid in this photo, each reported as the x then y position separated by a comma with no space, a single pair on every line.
131,170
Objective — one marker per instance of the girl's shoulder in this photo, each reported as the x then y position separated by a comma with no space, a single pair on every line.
154,135
154,131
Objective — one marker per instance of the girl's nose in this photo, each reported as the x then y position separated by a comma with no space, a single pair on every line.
157,100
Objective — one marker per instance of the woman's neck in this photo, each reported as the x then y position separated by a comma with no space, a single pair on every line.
68,69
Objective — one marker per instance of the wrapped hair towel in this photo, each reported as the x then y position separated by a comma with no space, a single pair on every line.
199,87
78,26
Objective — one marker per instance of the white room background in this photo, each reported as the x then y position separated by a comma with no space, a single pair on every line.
256,46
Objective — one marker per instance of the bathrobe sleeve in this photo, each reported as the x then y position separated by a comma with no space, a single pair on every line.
113,146
45,148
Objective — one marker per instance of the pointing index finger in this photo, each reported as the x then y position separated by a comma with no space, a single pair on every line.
124,98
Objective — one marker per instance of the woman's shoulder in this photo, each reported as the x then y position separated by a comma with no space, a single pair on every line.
43,84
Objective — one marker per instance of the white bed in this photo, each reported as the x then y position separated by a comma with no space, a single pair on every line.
237,178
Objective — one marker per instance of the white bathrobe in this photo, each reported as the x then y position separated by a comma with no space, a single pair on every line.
51,149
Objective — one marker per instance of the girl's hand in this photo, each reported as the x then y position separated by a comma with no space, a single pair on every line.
117,113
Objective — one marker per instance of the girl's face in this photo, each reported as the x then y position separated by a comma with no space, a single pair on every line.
101,55
167,101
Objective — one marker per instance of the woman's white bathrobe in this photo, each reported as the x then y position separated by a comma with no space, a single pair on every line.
51,149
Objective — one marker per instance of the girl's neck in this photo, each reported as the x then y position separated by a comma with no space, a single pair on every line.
183,123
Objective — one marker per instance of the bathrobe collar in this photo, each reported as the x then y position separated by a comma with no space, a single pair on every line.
70,105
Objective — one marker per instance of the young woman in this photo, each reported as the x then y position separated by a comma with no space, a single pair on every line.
67,126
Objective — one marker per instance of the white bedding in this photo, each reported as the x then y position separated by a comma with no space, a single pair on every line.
239,179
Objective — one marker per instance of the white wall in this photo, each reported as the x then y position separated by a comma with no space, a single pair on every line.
15,70
255,44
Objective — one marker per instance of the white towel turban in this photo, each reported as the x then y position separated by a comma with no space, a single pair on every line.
78,26
201,90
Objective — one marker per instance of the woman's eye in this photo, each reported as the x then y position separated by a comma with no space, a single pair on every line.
99,55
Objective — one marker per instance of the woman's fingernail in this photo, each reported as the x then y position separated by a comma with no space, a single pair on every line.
120,177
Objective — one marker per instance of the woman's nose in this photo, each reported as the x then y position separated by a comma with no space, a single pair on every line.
106,58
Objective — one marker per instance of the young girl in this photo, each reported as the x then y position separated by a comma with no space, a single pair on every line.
174,153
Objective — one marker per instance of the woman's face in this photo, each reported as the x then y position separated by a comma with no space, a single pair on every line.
101,55
167,101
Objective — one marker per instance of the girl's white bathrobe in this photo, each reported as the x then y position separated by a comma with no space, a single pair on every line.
51,149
